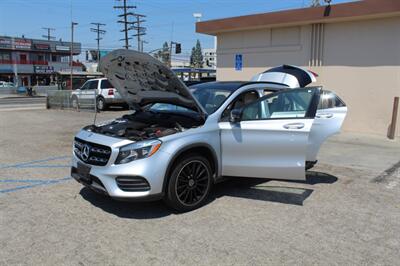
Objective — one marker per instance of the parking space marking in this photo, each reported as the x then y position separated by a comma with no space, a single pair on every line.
31,183
44,166
382,178
35,184
34,162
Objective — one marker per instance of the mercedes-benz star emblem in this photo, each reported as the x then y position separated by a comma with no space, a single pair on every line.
85,152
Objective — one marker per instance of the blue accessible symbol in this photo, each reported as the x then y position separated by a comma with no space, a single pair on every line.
238,62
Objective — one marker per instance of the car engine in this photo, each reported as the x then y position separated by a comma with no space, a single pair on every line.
146,125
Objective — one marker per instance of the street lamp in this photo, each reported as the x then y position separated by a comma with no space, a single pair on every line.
197,16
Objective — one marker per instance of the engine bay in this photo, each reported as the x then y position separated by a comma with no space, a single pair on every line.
143,125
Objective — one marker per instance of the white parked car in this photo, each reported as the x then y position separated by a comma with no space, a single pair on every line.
99,89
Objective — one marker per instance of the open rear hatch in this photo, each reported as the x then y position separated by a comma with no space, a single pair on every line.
287,75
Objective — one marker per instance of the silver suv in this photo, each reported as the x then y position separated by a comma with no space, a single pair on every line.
180,141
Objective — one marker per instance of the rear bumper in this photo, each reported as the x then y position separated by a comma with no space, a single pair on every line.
114,101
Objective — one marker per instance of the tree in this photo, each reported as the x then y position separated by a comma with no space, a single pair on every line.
196,58
163,54
192,57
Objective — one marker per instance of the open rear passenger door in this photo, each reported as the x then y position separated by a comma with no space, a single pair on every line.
269,137
328,121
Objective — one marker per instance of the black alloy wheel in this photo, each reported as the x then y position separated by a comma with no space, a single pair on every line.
190,183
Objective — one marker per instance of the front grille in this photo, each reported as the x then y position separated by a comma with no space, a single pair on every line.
132,183
91,153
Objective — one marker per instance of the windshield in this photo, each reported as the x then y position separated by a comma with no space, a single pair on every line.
210,95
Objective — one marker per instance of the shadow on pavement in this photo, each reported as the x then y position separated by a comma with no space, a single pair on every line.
132,210
241,187
257,188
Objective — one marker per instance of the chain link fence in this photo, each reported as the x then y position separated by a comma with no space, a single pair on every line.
65,99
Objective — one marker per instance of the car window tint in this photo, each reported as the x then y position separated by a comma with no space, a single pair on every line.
288,104
105,84
329,100
210,99
85,86
239,102
93,84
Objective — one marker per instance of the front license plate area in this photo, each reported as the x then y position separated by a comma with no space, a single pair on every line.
83,172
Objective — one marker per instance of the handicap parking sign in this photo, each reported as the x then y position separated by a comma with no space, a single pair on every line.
238,62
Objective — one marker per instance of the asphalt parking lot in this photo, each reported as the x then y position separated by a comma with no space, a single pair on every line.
346,213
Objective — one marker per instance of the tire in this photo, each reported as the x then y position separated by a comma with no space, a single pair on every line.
101,104
74,102
189,184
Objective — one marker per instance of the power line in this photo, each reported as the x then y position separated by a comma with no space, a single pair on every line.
99,32
48,36
125,21
140,31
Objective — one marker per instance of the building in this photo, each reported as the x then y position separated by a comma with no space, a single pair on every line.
354,47
210,58
31,62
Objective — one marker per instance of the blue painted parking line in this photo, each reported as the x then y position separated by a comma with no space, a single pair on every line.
34,162
30,183
44,166
21,181
35,184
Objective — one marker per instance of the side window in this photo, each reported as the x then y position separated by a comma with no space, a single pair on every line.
85,86
286,104
329,100
93,84
239,102
105,84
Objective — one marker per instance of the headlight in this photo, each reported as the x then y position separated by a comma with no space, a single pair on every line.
138,150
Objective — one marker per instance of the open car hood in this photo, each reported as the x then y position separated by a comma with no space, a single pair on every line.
287,75
141,79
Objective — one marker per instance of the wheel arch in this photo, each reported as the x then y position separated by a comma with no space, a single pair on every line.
198,148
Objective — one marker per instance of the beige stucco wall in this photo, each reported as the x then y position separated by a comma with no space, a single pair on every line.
361,62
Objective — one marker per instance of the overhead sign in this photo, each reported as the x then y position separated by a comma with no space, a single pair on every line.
5,43
42,46
22,44
238,62
62,48
44,69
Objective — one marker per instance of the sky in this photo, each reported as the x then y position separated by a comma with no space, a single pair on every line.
166,19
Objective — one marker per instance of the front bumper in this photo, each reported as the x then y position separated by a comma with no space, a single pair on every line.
103,179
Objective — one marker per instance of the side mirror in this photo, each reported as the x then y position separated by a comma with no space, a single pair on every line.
235,116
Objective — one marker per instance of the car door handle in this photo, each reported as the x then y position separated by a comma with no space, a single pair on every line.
294,126
328,115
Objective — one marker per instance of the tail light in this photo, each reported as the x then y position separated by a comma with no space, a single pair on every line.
110,92
315,74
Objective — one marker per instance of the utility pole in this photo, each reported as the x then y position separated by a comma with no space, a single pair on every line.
315,3
99,32
48,36
140,31
125,21
73,24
